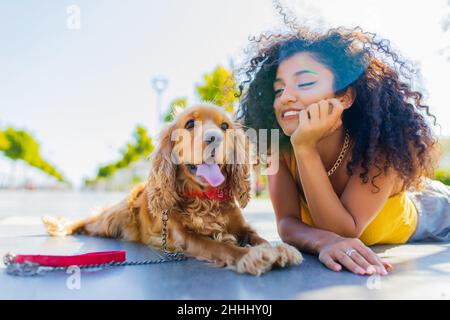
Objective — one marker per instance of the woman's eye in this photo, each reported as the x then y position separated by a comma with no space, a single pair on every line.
301,85
189,124
278,92
224,126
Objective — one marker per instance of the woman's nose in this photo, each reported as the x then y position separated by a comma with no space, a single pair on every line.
287,96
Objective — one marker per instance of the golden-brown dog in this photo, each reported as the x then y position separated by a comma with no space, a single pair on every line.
200,174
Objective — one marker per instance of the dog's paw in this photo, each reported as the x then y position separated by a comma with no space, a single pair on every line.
288,255
56,226
257,260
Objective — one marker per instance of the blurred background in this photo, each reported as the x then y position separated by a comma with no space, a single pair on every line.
85,85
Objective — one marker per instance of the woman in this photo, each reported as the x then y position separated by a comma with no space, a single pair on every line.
355,143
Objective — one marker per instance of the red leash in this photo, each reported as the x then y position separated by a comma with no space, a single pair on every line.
76,260
34,265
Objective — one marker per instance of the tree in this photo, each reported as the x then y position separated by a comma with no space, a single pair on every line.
219,87
4,144
144,145
140,148
176,103
20,145
16,149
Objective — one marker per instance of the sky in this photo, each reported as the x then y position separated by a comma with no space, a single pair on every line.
81,88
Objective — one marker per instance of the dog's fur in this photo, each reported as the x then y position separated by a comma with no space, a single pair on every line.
202,228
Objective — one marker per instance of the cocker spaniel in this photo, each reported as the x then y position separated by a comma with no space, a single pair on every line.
200,174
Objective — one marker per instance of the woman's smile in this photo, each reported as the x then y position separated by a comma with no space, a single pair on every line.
290,115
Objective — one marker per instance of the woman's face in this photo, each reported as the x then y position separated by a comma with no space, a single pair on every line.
300,81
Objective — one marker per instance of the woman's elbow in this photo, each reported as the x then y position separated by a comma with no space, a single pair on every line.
352,232
344,231
285,230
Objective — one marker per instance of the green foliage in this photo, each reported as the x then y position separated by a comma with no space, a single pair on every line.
144,145
4,143
443,176
178,102
20,145
219,87
141,147
17,141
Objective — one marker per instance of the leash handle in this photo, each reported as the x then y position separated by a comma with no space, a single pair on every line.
81,259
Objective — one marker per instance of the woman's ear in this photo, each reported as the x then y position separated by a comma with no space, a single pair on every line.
162,193
348,97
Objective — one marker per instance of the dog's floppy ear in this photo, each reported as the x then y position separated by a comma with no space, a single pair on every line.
162,193
239,171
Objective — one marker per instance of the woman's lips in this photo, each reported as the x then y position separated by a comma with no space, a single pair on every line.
290,115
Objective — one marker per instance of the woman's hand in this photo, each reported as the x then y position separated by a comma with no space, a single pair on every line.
362,260
317,122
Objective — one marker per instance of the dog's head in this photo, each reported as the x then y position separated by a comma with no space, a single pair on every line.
202,148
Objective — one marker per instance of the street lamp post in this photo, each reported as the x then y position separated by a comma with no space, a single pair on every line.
159,85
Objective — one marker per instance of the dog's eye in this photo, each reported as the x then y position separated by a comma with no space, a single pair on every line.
192,168
224,126
190,124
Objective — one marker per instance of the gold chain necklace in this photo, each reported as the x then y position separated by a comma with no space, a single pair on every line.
341,155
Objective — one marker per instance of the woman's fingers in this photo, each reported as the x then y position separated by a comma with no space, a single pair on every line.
330,263
303,118
357,263
314,114
371,256
389,267
324,106
362,262
337,110
348,263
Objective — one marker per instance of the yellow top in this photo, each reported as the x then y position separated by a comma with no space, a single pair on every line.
394,224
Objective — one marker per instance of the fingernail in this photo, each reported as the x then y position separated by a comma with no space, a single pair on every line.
371,270
360,271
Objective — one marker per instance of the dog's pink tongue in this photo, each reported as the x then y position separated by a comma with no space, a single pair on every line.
211,172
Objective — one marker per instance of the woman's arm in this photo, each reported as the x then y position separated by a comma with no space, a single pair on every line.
329,246
349,214
286,202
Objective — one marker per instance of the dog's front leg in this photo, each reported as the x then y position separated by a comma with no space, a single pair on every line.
239,228
254,260
250,237
287,253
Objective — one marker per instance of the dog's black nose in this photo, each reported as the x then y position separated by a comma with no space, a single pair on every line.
212,135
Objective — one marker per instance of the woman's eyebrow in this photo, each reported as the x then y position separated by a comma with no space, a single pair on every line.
304,71
300,72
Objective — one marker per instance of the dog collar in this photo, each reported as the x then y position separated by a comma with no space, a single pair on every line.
213,193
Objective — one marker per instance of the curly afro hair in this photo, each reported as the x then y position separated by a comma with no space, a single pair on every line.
388,122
